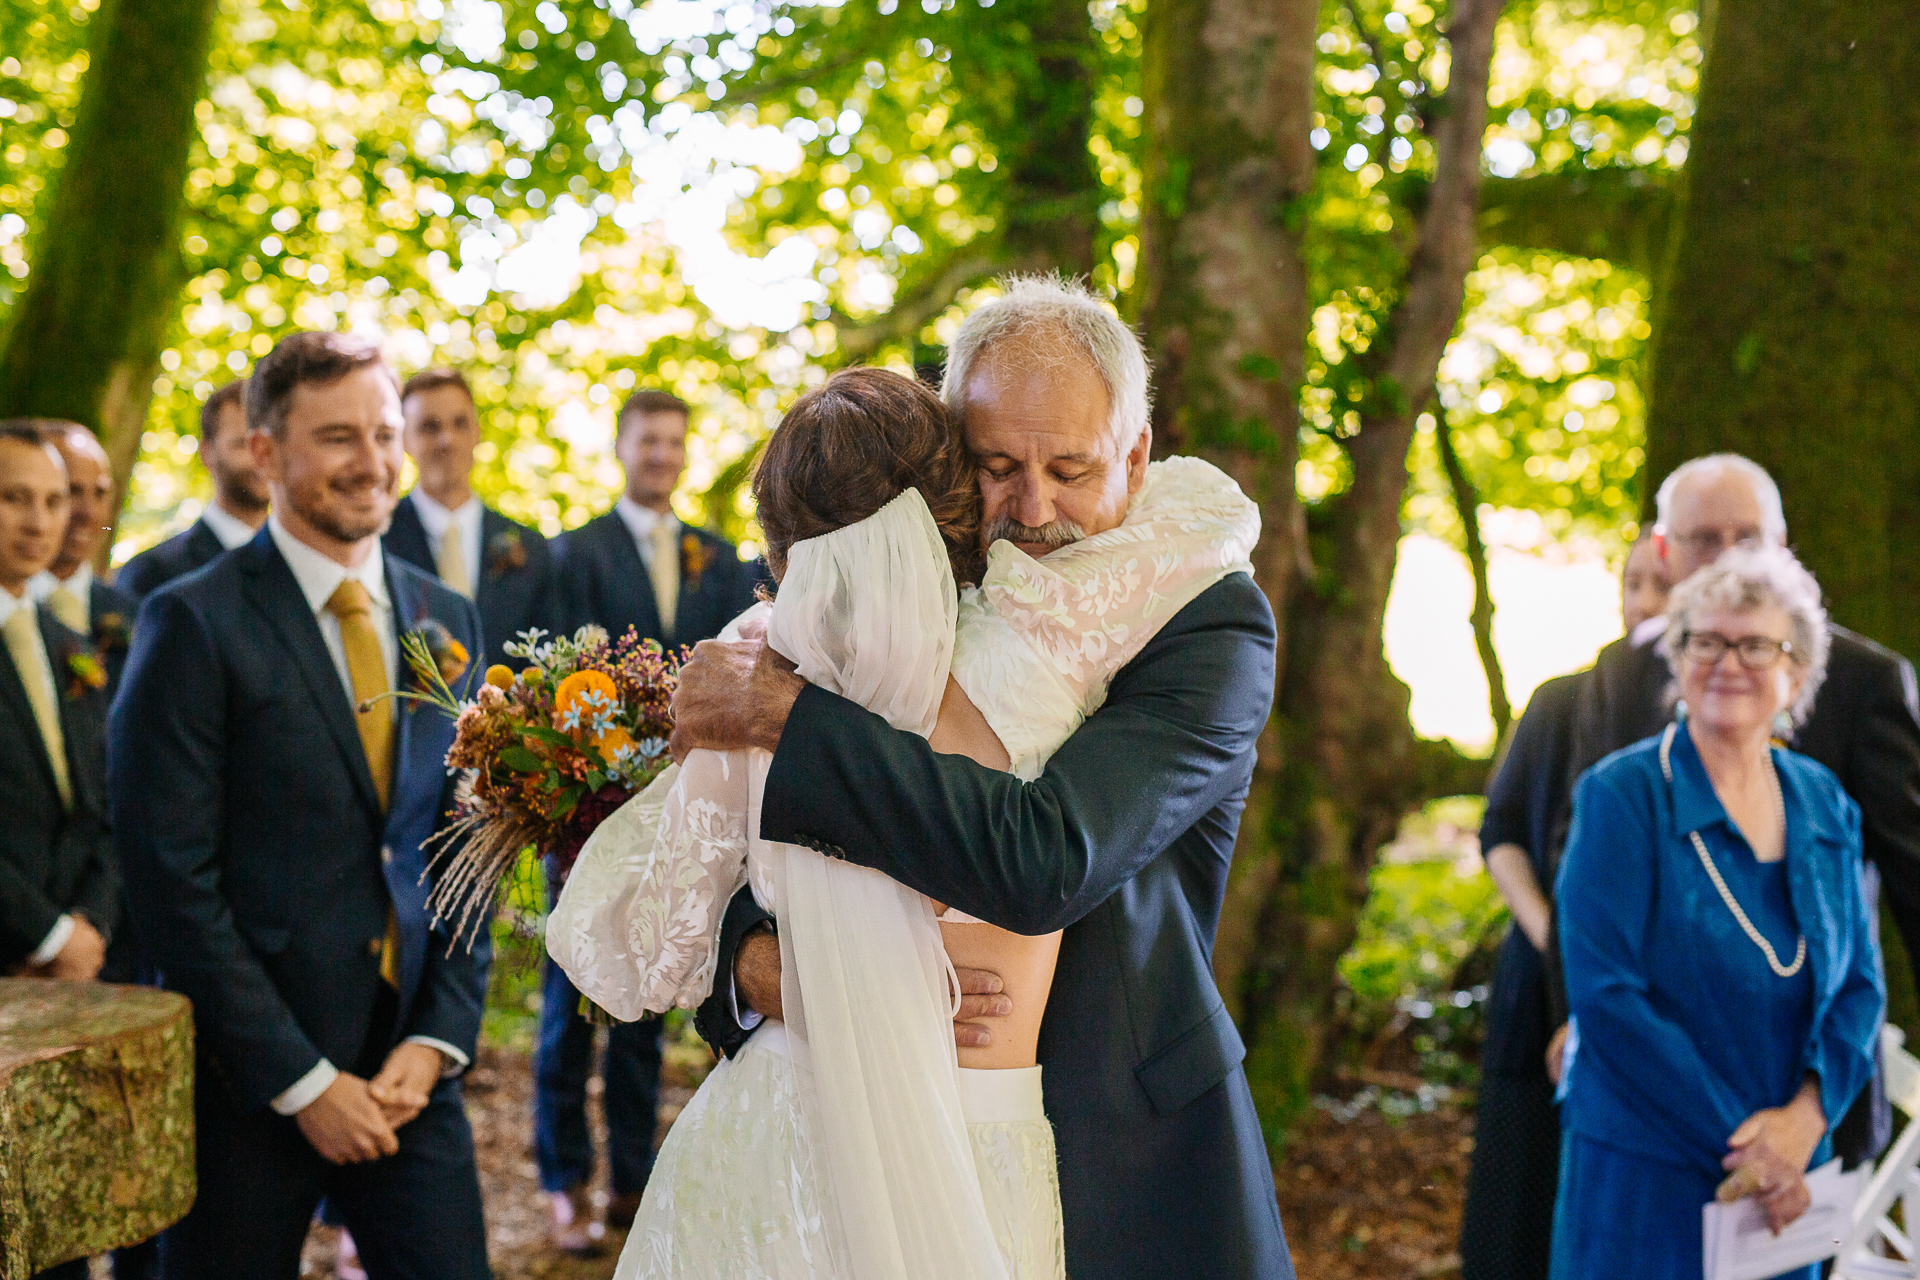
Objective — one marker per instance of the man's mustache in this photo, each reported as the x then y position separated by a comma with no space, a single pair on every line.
1054,534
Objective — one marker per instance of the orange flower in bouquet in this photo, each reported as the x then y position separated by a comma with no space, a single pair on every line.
547,753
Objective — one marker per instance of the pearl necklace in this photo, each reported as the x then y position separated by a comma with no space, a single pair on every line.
1713,872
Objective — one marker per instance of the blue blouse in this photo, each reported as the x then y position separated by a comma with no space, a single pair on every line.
1684,1029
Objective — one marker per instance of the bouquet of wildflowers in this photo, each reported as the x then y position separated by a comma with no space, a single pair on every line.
547,753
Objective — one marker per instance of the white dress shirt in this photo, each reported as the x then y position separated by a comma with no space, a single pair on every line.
641,523
435,519
56,940
229,528
43,584
319,577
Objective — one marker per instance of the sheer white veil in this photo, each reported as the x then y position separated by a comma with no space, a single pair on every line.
868,612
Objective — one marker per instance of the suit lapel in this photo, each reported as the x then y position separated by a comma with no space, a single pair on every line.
407,538
274,591
74,734
630,580
203,544
13,692
492,525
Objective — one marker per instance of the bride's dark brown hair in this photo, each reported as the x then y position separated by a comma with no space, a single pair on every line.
846,449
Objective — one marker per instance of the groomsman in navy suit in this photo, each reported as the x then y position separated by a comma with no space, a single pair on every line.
636,566
69,587
269,809
442,527
238,509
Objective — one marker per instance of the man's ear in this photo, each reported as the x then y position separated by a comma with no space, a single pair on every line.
1660,546
1137,459
265,451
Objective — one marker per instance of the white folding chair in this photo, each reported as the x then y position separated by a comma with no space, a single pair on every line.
1877,1248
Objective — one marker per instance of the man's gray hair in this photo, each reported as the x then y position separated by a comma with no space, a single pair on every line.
1751,578
1773,518
1039,311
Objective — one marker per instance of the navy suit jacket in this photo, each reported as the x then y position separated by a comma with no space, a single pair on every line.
1125,842
53,859
175,558
604,581
516,588
111,612
259,865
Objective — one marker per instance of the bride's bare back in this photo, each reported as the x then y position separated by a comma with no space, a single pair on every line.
1025,964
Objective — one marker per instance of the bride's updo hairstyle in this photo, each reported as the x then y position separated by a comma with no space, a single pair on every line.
847,449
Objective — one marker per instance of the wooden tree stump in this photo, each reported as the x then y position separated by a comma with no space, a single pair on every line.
96,1119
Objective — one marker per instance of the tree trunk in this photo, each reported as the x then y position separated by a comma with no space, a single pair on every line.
85,338
1226,310
96,1119
1466,502
1791,328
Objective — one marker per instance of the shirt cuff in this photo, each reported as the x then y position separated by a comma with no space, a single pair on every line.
54,943
456,1060
748,1020
306,1089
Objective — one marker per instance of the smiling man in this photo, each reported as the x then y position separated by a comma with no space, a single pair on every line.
504,567
1124,841
83,603
270,805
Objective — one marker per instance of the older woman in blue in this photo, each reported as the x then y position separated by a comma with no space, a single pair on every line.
1723,981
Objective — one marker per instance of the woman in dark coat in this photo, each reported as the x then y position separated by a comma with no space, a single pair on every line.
1507,1230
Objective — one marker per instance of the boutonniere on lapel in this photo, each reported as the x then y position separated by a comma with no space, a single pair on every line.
111,633
436,660
505,553
693,561
84,673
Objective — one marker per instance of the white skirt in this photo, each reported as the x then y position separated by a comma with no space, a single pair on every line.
733,1193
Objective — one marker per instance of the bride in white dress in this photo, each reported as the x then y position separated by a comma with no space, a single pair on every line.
852,1142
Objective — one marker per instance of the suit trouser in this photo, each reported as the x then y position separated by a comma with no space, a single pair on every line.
415,1215
562,1064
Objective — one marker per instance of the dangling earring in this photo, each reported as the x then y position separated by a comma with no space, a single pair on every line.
1783,725
1680,711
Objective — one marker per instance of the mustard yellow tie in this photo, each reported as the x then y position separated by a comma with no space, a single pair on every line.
70,609
665,571
452,561
367,669
30,663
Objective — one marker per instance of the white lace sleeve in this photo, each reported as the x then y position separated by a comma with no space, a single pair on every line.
637,926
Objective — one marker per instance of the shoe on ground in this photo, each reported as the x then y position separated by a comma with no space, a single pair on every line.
574,1230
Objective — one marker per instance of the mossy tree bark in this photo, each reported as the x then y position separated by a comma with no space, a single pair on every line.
1790,329
1226,311
85,339
96,1119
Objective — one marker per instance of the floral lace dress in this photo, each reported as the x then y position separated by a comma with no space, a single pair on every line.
737,1189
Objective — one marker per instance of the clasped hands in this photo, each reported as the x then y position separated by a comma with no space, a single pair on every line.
355,1120
756,973
1769,1155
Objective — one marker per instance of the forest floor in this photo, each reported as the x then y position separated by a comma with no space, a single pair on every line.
1365,1195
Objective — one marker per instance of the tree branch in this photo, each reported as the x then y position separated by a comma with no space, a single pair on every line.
1622,215
1467,502
909,314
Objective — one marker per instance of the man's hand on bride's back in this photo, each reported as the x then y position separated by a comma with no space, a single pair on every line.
756,976
733,694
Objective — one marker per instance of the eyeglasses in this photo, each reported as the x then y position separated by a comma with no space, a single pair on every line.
1707,544
1757,653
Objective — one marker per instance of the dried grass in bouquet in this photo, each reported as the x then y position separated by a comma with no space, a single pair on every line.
547,754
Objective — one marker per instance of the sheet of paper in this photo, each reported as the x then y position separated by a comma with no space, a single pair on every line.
1740,1245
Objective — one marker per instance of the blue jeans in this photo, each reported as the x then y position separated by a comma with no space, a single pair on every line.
561,1066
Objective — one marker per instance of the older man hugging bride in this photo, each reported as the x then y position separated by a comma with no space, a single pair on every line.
1000,717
